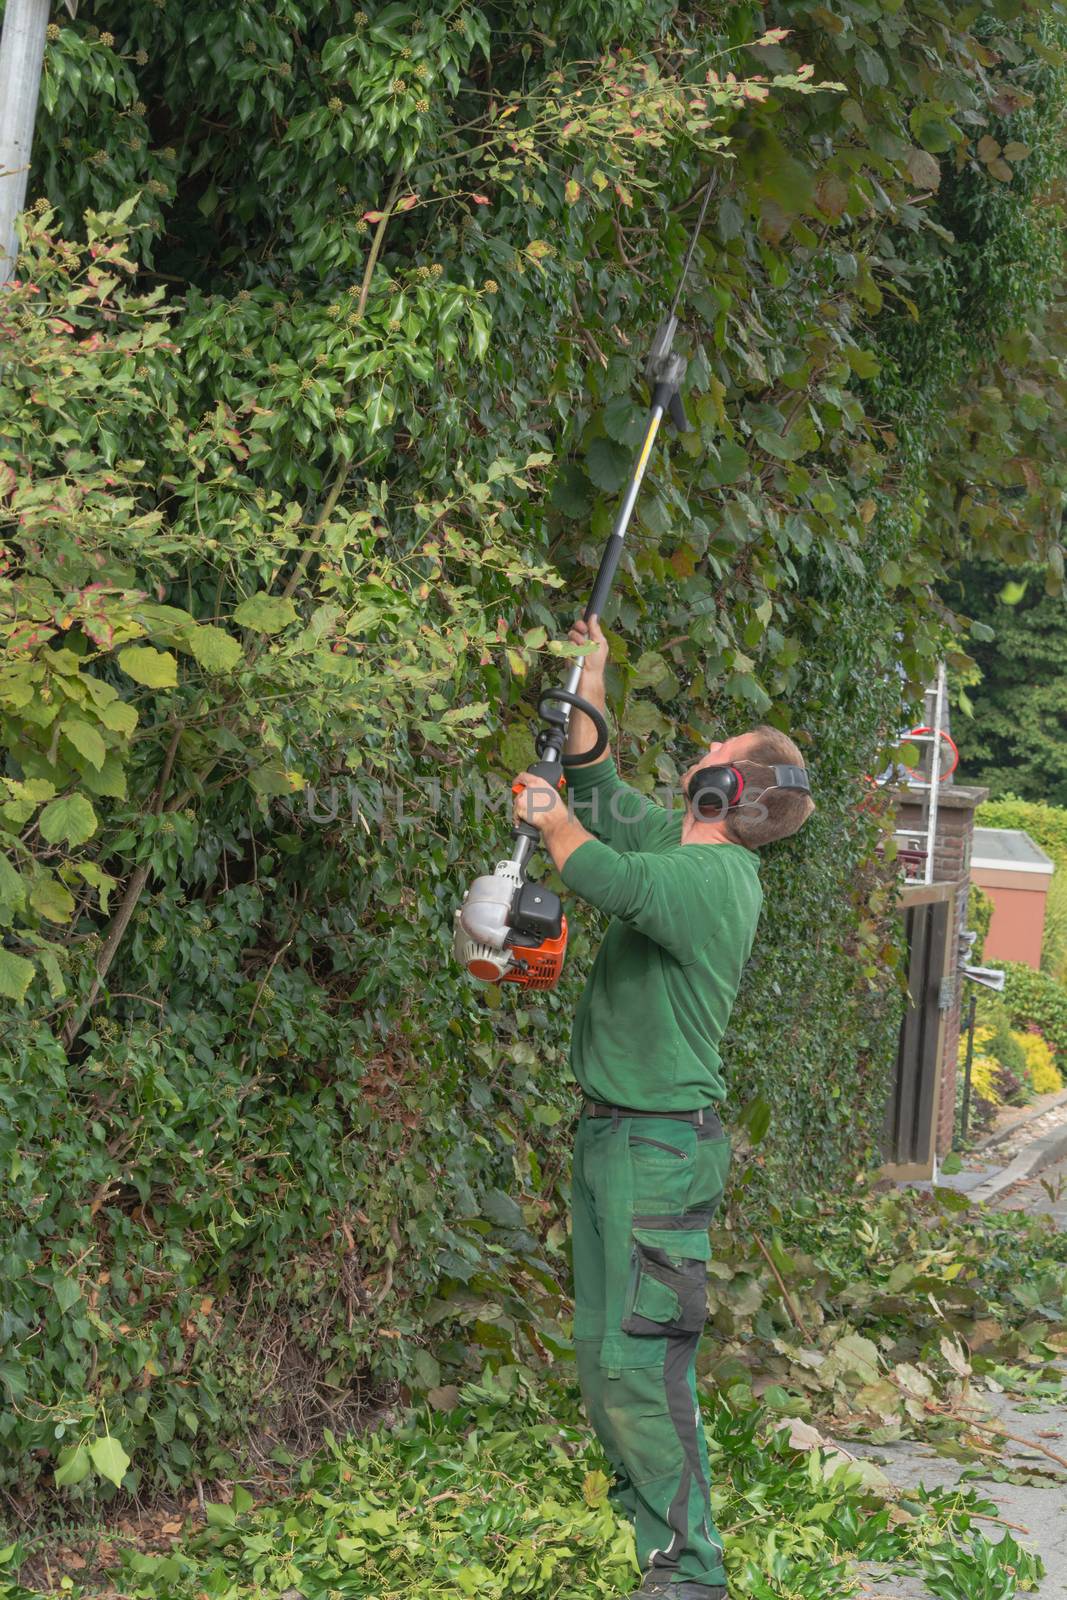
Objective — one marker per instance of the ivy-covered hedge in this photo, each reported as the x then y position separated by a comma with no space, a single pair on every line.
979,917
306,455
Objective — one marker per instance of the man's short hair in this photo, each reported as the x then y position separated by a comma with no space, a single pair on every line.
776,813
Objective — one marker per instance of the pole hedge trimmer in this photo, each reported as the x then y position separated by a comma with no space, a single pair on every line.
510,928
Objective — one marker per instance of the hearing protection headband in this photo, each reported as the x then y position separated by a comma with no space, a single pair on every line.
715,789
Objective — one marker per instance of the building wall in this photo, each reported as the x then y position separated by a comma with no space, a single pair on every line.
952,864
1018,924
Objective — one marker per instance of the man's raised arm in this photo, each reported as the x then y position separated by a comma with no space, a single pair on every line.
615,813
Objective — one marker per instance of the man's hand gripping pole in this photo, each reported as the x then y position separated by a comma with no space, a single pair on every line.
511,929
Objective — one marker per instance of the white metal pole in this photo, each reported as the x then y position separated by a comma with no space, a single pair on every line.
21,59
935,770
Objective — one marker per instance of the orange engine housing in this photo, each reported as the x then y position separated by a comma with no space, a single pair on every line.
543,962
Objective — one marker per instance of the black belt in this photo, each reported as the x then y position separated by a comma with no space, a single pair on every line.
705,1118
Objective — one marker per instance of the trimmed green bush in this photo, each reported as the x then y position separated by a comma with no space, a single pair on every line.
1035,1000
1046,824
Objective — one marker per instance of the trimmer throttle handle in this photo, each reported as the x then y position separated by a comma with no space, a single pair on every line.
548,713
551,774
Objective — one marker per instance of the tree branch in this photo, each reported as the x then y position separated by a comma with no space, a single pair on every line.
127,906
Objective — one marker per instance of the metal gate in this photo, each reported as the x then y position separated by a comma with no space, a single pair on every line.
908,1136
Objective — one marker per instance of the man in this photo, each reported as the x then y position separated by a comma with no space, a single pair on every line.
650,1157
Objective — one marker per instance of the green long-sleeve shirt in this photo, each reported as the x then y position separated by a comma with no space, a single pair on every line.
648,1026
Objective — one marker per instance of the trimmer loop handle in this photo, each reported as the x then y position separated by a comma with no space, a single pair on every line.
555,719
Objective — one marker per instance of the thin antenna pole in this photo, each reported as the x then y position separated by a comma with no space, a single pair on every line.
21,60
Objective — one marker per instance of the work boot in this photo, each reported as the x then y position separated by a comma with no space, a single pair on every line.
661,1586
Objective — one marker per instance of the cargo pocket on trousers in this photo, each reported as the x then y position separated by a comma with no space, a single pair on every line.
667,1296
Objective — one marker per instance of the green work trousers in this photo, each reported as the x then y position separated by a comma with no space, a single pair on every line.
644,1192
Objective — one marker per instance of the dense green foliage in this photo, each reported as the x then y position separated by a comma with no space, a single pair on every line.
306,455
506,1498
1037,1000
1045,823
979,916
497,1490
1015,745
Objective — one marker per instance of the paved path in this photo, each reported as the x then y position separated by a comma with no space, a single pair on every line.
1044,1195
1039,1507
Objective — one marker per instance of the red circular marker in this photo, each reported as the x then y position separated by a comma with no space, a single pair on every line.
948,740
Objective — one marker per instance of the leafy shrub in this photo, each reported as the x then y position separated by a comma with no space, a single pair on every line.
1003,1042
286,529
1036,1000
1041,1069
986,1081
1013,1088
1054,938
987,1087
1046,824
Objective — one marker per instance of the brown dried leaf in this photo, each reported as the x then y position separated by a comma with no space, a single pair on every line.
924,169
446,1398
831,196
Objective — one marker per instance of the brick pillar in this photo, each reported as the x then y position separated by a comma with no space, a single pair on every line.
952,865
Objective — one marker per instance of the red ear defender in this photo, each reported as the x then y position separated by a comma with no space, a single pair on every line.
713,791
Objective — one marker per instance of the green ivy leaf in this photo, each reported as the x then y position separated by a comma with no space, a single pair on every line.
73,1465
756,1119
85,739
67,1292
12,888
608,464
731,464
624,421
50,899
109,1459
16,975
572,493
156,669
68,820
265,613
214,648
119,716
